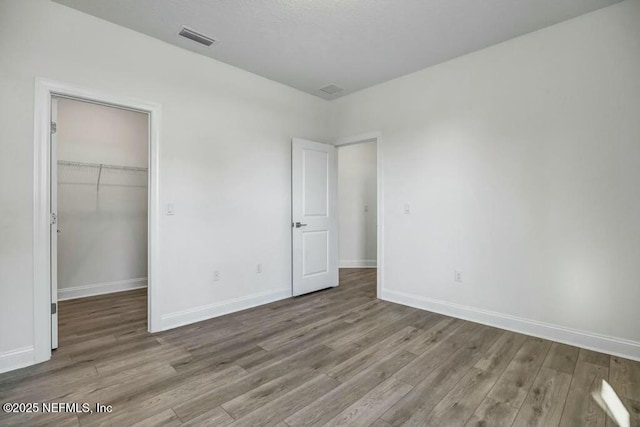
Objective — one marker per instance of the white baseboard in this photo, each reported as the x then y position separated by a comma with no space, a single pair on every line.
16,359
591,341
204,312
364,263
101,288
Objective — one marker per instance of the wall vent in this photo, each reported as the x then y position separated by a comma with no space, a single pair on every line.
331,89
196,36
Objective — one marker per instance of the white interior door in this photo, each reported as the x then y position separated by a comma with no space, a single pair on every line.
314,216
54,223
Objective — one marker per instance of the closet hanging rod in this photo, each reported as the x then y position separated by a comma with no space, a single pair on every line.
101,166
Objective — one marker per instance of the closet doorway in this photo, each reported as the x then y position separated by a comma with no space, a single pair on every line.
45,310
99,195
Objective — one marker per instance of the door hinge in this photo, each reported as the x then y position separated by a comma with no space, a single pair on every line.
54,218
54,127
54,308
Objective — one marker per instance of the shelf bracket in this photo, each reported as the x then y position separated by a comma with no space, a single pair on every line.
99,175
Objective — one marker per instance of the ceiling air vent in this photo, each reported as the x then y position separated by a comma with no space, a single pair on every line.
196,36
331,89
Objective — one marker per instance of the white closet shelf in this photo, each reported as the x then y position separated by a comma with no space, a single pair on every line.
101,166
97,169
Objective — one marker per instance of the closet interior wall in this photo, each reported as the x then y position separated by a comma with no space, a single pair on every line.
102,199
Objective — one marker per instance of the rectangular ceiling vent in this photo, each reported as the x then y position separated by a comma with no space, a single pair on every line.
331,89
197,37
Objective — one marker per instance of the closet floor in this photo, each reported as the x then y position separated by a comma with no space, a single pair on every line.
334,357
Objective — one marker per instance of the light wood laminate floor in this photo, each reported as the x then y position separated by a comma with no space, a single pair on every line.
335,357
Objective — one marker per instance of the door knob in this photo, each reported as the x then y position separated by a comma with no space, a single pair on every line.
299,224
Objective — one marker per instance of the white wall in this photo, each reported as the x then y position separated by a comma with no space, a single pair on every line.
357,200
102,244
224,155
522,164
96,133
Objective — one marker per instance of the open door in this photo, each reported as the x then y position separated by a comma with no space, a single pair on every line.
314,216
54,223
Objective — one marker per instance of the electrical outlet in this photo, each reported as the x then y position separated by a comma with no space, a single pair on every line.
216,276
407,208
259,269
457,276
366,208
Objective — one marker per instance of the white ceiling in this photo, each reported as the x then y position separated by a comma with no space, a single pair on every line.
355,44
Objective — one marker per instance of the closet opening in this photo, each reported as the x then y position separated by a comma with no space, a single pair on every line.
99,195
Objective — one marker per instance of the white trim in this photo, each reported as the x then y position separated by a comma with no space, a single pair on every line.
597,342
359,263
358,139
83,291
16,359
209,311
376,137
44,89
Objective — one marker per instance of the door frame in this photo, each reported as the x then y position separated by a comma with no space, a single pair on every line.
44,90
375,136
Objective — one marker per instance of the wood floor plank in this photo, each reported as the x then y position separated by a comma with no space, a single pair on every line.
165,353
373,404
242,405
501,353
562,357
157,397
594,357
545,402
338,308
293,334
426,394
420,368
386,330
124,383
380,423
580,408
216,396
276,411
513,385
214,361
42,386
388,315
433,335
166,418
374,353
216,417
322,357
328,406
473,340
461,402
39,419
624,376
492,413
